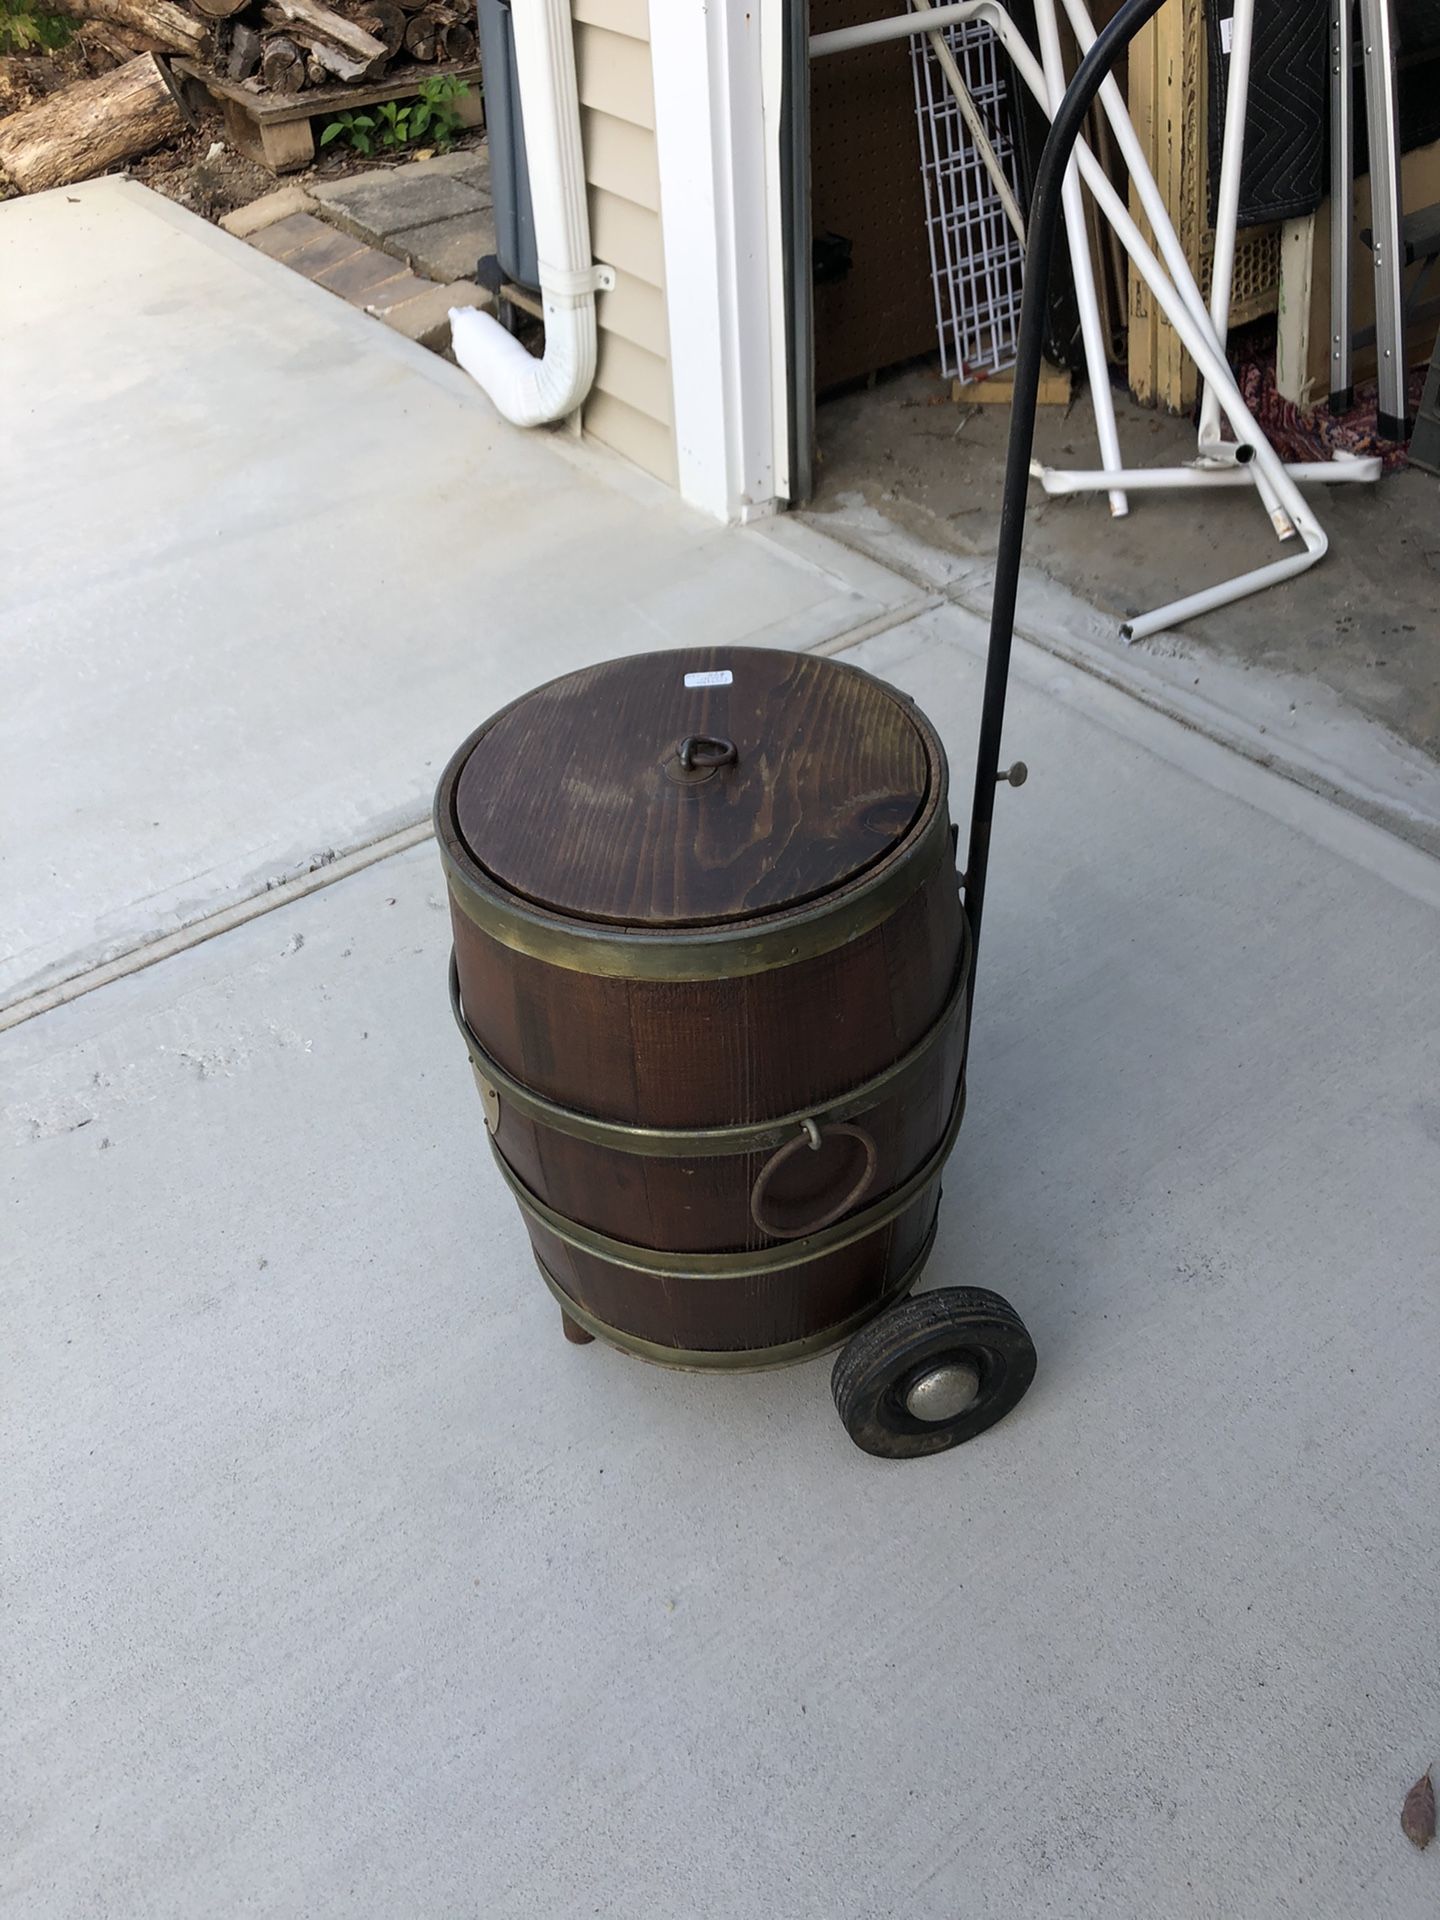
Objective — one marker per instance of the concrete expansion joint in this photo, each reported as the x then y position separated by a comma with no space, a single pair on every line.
325,870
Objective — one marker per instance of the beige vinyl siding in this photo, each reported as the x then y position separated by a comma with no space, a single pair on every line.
626,235
632,374
621,158
636,309
620,16
614,74
635,434
630,404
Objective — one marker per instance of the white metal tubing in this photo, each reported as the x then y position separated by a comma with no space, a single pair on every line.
1213,366
1153,201
1193,332
1224,594
1227,209
1307,473
970,114
901,26
1138,167
1097,363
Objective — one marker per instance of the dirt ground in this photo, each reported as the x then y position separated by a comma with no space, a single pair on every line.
203,171
1364,621
198,168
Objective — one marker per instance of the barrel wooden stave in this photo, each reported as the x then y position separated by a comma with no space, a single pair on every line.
737,1314
701,1203
699,1053
806,1007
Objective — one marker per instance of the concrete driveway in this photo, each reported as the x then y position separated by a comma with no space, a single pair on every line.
260,561
339,1585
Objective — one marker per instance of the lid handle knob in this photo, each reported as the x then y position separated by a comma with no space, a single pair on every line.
699,752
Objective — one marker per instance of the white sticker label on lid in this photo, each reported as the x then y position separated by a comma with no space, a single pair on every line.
1227,34
720,677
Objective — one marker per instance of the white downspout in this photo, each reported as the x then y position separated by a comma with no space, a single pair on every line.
526,390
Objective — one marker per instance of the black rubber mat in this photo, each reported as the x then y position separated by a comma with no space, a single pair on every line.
1284,171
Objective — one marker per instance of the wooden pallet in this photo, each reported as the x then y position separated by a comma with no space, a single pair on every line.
525,298
275,128
998,389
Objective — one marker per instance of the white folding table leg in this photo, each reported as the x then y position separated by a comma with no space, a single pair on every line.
1168,241
1342,212
1377,30
1198,338
1097,364
1194,328
1358,469
1227,210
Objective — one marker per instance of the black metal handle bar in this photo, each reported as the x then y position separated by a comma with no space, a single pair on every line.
1040,235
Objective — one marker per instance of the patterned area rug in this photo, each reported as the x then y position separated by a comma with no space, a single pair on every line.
1315,433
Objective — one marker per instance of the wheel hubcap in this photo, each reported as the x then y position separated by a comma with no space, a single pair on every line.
940,1393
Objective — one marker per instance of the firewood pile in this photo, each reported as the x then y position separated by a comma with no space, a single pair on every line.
292,44
273,49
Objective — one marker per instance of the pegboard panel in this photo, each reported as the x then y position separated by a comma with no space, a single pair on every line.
865,185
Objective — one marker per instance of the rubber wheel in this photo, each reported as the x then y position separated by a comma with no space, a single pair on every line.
876,1369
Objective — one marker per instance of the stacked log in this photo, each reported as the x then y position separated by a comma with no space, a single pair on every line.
349,42
346,41
159,23
279,47
435,33
90,126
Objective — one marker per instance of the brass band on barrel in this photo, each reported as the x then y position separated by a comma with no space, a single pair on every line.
748,1262
680,953
703,1142
741,1359
782,939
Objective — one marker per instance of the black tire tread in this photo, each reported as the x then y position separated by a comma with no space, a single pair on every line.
882,1352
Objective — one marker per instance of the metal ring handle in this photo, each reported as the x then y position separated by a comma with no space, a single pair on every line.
809,1140
747,1264
701,751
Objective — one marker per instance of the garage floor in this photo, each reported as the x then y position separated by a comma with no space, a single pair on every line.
340,1585
1341,668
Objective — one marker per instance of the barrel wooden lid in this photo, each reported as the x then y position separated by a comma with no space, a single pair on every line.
576,798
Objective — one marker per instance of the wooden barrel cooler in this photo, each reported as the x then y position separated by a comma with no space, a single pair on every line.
712,970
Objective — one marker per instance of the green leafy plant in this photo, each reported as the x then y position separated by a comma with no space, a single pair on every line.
390,126
28,29
394,123
357,128
436,111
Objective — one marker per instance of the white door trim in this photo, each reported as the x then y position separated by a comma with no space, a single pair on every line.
715,127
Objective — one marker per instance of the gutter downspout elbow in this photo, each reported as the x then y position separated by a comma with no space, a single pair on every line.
527,391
